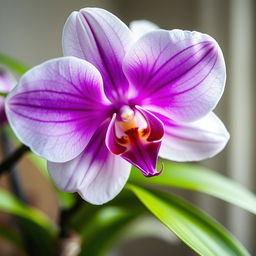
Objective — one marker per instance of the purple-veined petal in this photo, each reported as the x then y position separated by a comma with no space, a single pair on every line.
141,27
101,38
7,82
57,106
96,174
193,141
178,73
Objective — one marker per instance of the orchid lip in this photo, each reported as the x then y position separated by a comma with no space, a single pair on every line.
135,134
154,172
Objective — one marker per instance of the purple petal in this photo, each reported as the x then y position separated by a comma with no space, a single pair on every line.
111,139
141,27
7,81
155,125
3,117
193,141
178,73
102,39
57,106
96,174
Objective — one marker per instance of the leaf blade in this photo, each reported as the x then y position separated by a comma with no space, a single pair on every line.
13,64
104,228
9,204
200,179
196,229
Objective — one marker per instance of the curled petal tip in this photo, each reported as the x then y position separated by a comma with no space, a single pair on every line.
154,173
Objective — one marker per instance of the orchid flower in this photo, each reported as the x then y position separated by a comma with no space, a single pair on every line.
7,82
117,100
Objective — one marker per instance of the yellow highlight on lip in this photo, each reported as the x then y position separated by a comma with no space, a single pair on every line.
127,114
128,125
129,121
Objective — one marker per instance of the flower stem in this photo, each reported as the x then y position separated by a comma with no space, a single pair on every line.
11,160
67,236
65,215
9,165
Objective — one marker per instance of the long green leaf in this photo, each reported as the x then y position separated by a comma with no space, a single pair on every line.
9,204
196,229
201,179
36,227
103,229
13,64
11,236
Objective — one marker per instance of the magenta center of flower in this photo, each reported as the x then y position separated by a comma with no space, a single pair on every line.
130,126
135,134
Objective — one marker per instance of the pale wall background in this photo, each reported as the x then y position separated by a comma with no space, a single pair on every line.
30,30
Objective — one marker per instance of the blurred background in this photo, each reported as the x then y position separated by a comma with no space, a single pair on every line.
30,30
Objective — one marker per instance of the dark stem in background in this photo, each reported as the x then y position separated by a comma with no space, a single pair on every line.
9,165
67,237
14,175
12,159
65,215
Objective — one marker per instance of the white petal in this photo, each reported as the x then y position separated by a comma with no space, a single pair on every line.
101,38
141,27
193,141
96,174
57,106
179,72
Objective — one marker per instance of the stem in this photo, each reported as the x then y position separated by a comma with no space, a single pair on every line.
65,215
68,238
14,175
8,165
11,160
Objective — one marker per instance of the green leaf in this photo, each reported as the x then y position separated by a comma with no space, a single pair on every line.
196,229
36,226
9,204
13,64
101,225
66,199
11,236
201,179
104,228
4,94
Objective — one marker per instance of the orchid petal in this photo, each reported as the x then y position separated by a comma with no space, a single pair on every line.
96,174
144,156
102,39
3,117
156,126
57,106
193,141
178,73
7,81
141,27
111,139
